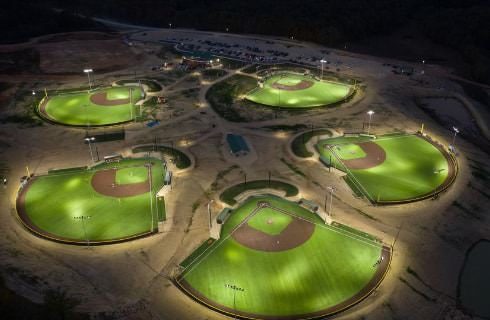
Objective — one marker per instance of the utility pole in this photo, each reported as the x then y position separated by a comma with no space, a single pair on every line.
210,223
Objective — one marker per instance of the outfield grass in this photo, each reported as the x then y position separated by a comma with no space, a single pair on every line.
329,268
76,108
413,167
320,94
54,201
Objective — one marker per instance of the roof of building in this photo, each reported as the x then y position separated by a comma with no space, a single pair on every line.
237,143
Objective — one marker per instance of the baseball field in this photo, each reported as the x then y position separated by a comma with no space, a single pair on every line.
391,168
105,203
277,260
92,108
296,91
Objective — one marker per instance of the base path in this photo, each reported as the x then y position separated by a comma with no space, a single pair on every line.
295,234
303,84
104,182
375,155
101,99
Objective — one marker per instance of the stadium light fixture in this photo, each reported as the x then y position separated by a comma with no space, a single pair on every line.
209,214
89,140
235,289
95,145
323,61
88,71
83,218
331,189
456,131
370,113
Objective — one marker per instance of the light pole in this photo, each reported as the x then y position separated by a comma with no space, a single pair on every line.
88,71
94,141
370,113
235,289
148,165
170,26
323,61
89,141
209,215
331,189
279,89
83,218
456,131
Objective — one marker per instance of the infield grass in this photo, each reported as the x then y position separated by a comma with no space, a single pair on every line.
350,151
270,221
326,270
76,108
54,203
131,175
413,166
321,93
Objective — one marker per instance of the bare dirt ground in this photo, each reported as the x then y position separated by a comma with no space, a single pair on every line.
133,280
99,51
99,55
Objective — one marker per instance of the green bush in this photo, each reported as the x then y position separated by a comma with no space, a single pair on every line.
153,86
228,196
299,143
180,159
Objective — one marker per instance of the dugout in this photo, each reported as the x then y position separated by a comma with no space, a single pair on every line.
168,178
308,204
238,145
223,215
327,161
